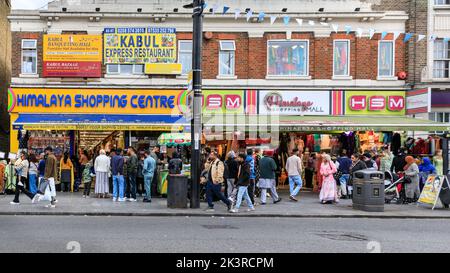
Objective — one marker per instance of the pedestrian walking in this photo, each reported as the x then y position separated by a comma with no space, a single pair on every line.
343,165
21,166
140,184
66,173
233,167
50,174
87,177
294,170
102,167
33,173
412,180
242,184
117,166
132,166
214,182
357,165
398,163
268,167
328,193
148,171
251,161
156,155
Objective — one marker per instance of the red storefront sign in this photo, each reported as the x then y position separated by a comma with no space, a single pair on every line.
73,69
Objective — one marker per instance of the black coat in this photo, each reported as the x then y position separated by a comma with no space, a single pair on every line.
398,163
244,176
233,168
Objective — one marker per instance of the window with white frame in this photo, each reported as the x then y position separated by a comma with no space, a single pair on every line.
443,117
441,63
227,55
386,59
125,69
341,58
287,58
185,55
441,2
29,56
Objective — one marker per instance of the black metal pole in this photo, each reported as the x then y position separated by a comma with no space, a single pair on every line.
196,123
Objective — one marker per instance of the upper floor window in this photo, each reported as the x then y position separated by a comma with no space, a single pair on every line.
29,56
441,64
341,58
125,69
227,58
442,2
386,59
287,58
443,117
185,55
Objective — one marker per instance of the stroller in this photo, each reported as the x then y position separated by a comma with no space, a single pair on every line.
394,188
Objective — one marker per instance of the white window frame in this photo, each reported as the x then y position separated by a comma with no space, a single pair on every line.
288,76
433,116
184,51
446,51
348,57
440,5
28,48
134,73
379,59
234,58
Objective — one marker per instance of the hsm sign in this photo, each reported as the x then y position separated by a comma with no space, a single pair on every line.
230,102
223,102
377,103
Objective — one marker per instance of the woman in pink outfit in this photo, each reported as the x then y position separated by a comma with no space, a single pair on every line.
328,193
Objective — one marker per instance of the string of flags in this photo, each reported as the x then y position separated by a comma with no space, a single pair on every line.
261,16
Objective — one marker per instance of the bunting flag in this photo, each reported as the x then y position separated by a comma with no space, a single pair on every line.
421,37
286,20
299,22
396,35
261,16
237,13
408,37
348,29
273,18
371,33
359,31
225,9
311,23
205,5
215,8
383,35
335,27
433,37
249,15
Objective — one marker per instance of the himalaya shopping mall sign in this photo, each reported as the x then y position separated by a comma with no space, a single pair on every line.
308,103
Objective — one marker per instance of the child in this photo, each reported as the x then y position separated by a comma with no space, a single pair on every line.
87,179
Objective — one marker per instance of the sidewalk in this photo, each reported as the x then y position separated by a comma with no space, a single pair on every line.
308,207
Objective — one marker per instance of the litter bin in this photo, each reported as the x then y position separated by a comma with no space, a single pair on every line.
368,191
177,190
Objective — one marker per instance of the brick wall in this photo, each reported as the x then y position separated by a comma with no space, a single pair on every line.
5,73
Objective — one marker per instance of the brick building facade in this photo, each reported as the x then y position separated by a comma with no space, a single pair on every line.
5,72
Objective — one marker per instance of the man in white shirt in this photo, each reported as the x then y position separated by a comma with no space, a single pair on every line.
294,170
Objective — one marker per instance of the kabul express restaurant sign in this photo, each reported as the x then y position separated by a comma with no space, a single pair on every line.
140,45
383,103
308,103
75,56
94,101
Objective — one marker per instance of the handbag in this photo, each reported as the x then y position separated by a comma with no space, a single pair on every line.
43,184
407,179
337,176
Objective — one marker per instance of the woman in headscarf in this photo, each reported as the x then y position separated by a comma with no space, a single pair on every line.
328,193
427,167
102,166
412,174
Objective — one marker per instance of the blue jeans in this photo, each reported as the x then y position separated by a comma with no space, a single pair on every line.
148,186
343,181
215,189
118,186
32,180
243,193
293,181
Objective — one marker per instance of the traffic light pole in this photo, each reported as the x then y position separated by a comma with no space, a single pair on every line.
196,123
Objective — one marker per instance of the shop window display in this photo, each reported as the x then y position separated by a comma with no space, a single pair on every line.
288,58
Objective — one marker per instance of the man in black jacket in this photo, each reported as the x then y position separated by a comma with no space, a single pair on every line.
398,163
233,168
243,183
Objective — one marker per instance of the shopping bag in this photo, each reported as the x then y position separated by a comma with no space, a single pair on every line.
43,185
47,194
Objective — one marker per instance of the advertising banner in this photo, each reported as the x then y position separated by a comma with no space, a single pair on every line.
432,189
75,56
369,103
223,102
140,45
307,103
418,101
95,101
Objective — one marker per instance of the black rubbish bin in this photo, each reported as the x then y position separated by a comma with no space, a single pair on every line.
368,191
177,191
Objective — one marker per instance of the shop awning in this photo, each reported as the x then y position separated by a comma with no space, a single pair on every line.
100,122
320,123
